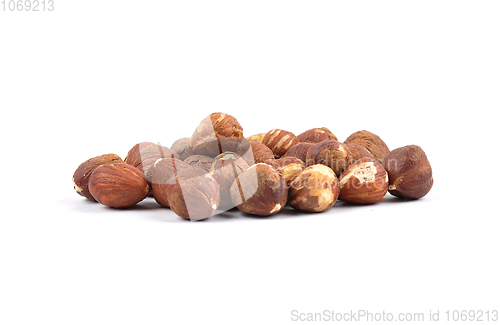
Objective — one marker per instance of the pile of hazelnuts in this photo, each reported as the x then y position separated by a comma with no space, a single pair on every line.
218,169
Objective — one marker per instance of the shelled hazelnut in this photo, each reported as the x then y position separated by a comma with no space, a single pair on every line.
225,168
331,153
358,152
193,194
315,189
256,137
260,190
163,169
372,142
183,148
143,156
288,167
316,135
300,151
82,174
217,133
363,182
410,173
255,153
200,161
118,185
279,141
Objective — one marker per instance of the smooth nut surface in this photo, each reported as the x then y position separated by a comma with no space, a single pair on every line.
118,185
224,170
364,182
300,151
143,156
162,171
82,174
410,173
217,133
279,141
255,153
372,142
260,190
315,189
193,194
330,153
317,135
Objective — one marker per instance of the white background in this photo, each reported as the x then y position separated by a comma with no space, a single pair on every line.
95,77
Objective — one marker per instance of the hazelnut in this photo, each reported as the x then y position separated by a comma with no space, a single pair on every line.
300,151
118,185
82,174
331,153
279,141
410,173
288,167
193,194
260,190
162,171
200,161
372,142
216,134
143,156
363,182
256,137
316,135
255,153
226,167
183,148
315,189
358,152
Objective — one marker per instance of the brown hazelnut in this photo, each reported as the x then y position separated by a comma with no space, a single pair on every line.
200,161
118,185
82,174
363,182
331,153
288,167
300,151
226,167
256,137
316,135
255,153
183,148
162,171
143,156
216,134
193,194
279,141
410,173
358,152
260,190
372,142
315,189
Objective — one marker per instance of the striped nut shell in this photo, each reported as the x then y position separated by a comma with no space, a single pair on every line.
372,142
162,171
279,141
331,153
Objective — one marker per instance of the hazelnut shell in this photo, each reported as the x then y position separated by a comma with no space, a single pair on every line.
372,142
